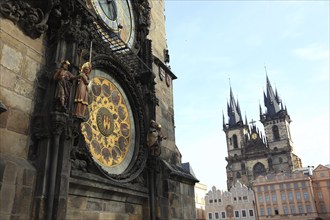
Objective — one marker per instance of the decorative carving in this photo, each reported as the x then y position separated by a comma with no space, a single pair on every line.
33,21
155,138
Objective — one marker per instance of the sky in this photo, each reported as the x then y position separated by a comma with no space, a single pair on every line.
215,44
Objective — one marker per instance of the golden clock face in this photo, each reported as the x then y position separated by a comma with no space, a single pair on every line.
254,136
118,16
109,130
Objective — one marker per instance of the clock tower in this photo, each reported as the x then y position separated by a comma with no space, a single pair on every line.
89,127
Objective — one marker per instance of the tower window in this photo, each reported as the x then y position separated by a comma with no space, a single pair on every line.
276,134
280,160
235,141
259,169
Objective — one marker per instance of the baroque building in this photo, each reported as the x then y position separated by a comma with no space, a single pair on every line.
87,118
285,196
250,153
321,188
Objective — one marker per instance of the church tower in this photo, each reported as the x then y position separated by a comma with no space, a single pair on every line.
276,121
236,132
250,153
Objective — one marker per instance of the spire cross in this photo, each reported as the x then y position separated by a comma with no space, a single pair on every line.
252,122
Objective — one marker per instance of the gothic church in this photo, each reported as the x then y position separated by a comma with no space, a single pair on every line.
252,153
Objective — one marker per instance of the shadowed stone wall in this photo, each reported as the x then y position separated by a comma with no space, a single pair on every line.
20,60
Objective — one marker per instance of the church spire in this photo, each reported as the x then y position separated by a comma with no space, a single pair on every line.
271,100
233,111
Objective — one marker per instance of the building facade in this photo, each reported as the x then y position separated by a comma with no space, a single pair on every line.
321,187
237,203
87,122
200,192
250,153
285,196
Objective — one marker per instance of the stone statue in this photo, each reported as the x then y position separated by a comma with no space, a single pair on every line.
155,137
64,79
81,98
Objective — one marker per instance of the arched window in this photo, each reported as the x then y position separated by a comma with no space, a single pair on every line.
276,133
235,141
243,168
259,169
238,175
280,160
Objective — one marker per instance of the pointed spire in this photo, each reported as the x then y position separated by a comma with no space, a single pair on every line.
233,110
271,100
223,120
246,122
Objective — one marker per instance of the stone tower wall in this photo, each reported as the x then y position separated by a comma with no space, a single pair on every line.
21,58
284,132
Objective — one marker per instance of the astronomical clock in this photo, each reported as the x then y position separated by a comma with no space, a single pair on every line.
109,131
112,129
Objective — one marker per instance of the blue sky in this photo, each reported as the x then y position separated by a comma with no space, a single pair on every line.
212,41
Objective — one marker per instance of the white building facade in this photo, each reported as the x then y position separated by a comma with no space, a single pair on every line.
237,203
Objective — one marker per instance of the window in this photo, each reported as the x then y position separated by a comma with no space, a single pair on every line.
323,208
230,141
274,198
292,209
276,210
267,198
285,210
210,215
283,197
281,185
235,141
290,196
303,185
223,215
216,215
236,214
321,174
300,209
265,188
280,160
262,211
251,213
305,195
308,208
243,213
288,186
260,198
238,175
269,211
244,197
259,169
210,201
319,194
298,197
235,198
295,185
272,187
276,133
259,188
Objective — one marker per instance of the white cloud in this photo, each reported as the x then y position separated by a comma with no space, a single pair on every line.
312,52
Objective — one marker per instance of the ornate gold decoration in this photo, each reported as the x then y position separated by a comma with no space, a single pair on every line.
108,131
